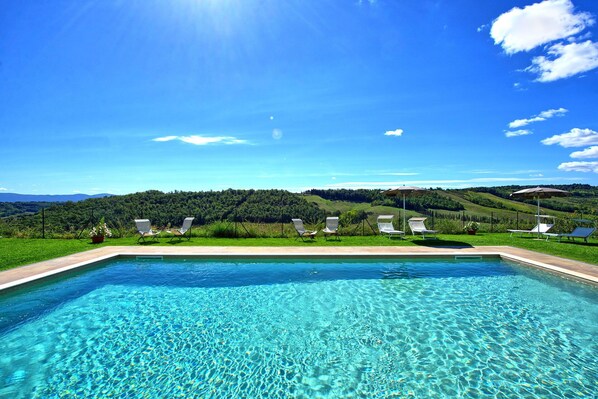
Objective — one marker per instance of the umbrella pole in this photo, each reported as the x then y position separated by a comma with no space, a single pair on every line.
538,217
403,212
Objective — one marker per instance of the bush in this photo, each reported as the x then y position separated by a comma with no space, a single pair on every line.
222,230
352,217
448,226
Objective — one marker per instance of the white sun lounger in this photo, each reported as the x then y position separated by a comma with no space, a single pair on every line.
541,228
144,228
185,230
417,226
298,223
385,226
578,232
331,228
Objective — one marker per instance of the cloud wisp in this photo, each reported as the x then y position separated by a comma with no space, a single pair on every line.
542,116
516,133
399,174
579,166
202,140
556,25
445,182
397,132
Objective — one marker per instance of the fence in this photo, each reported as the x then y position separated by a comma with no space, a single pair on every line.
45,224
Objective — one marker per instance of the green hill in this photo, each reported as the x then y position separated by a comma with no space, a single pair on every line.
493,207
447,210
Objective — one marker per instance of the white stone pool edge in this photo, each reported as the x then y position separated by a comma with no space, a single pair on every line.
568,268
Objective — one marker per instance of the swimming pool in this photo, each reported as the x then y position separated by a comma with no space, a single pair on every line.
387,328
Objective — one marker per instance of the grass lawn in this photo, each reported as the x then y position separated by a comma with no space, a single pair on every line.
17,252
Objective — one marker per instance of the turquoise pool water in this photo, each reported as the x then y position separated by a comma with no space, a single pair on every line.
301,329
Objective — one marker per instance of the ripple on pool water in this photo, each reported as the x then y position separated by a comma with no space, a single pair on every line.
494,336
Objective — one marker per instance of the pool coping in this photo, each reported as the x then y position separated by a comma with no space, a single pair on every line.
567,268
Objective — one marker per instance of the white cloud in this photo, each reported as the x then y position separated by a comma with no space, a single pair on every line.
522,132
542,116
591,152
523,122
530,172
537,24
399,174
167,138
398,132
552,112
450,182
3,189
565,60
574,138
276,134
202,140
579,166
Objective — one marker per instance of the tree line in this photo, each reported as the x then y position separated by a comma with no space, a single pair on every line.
262,206
419,203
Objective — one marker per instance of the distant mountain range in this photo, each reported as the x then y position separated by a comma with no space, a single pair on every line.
12,197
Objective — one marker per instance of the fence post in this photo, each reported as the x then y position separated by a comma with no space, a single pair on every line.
43,223
462,219
491,222
517,226
362,227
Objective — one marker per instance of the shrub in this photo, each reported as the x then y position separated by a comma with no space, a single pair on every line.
222,230
448,226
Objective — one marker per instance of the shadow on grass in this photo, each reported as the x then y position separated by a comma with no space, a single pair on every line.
152,242
564,241
435,243
580,243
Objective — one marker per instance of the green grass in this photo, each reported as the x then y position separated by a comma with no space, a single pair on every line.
22,251
17,252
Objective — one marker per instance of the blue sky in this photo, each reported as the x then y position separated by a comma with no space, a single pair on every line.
127,96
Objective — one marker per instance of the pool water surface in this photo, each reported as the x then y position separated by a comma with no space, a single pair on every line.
401,328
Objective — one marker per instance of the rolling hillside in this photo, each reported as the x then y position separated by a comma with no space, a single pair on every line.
489,206
447,210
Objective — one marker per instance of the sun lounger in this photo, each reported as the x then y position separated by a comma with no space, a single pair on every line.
578,232
144,228
184,231
331,228
385,226
540,228
303,234
417,226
